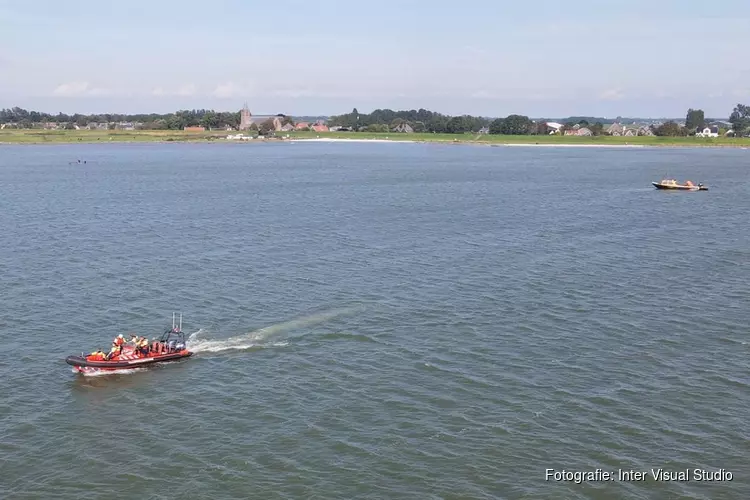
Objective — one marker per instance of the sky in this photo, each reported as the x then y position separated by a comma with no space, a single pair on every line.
540,58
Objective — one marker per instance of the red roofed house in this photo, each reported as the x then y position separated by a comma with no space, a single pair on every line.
320,126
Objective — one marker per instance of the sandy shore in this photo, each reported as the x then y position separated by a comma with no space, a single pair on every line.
535,145
332,139
475,143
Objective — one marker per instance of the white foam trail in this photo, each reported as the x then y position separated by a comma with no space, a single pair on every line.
257,338
194,335
129,371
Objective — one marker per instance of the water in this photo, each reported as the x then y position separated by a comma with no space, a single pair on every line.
374,320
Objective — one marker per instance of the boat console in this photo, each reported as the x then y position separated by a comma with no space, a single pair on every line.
174,340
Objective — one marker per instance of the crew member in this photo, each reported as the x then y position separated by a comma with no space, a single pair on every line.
97,355
115,351
142,345
119,341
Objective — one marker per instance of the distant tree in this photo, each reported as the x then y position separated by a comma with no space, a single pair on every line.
670,129
377,128
210,120
266,127
516,125
695,119
285,119
437,123
355,121
740,119
541,128
458,125
496,126
597,128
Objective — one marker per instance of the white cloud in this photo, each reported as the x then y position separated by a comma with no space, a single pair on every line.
294,93
188,89
227,90
72,89
611,95
482,94
98,91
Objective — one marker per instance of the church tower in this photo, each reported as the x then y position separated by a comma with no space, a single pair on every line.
245,118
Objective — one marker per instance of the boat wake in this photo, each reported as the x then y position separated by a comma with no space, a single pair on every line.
109,373
262,337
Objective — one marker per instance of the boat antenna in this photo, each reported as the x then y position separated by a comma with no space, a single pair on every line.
172,320
180,321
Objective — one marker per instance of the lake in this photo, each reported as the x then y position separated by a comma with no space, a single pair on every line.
375,321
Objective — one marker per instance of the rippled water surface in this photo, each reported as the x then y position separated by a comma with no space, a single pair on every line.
374,320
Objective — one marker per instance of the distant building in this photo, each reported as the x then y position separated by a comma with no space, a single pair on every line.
302,126
245,118
707,132
404,128
580,131
645,130
616,129
194,129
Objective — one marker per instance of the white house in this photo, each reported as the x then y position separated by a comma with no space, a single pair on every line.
554,126
707,132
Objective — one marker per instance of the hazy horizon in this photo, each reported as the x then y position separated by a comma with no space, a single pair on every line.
547,59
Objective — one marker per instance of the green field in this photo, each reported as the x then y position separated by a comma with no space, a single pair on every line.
98,136
77,136
533,139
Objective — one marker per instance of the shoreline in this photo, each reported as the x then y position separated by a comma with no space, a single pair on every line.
475,143
37,137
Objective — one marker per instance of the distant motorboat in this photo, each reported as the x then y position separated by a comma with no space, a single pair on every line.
673,184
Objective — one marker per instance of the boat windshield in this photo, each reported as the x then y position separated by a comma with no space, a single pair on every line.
173,339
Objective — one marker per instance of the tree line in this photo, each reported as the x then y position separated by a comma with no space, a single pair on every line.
380,120
386,120
168,121
696,120
422,120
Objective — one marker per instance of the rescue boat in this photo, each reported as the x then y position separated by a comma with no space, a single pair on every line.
171,346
